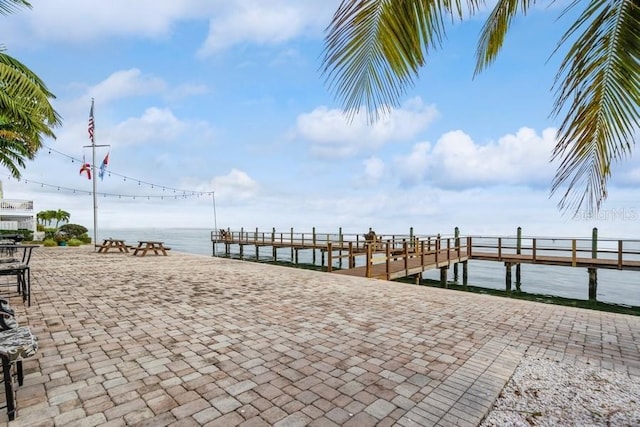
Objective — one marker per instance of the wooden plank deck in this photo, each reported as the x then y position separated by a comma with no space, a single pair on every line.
566,261
414,265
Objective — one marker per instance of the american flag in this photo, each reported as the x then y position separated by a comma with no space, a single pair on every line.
92,125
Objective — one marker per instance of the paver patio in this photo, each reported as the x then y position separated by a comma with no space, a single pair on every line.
194,340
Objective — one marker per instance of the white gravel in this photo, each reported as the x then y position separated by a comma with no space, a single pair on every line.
547,393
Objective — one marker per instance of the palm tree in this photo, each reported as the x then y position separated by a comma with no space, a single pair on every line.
45,217
26,115
61,216
375,48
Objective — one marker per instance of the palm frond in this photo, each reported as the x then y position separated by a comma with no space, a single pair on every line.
10,6
25,99
13,150
598,90
374,48
495,30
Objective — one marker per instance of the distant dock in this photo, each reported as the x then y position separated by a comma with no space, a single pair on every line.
390,257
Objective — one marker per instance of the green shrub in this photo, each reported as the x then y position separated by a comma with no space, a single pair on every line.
85,238
74,242
73,230
49,242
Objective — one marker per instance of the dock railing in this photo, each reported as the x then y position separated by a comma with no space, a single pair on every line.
551,249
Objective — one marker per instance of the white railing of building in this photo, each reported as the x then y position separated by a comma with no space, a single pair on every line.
8,205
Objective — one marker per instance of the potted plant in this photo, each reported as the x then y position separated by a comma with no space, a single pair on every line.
61,239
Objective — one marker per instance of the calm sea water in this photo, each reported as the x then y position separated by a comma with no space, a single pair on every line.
618,287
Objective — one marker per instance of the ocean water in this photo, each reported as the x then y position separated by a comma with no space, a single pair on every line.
617,287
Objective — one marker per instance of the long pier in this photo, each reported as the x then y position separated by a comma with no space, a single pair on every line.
390,257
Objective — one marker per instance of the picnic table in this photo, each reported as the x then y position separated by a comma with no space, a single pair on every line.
145,246
113,244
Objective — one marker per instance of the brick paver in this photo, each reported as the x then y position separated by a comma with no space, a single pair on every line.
193,340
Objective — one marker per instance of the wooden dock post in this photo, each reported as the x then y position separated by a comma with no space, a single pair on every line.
443,277
388,259
465,273
507,266
518,251
329,257
593,272
313,256
274,249
341,241
456,235
369,259
255,240
352,257
292,244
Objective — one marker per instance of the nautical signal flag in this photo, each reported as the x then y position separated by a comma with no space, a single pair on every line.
103,166
86,167
92,125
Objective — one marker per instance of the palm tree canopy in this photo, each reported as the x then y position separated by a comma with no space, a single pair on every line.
26,114
374,50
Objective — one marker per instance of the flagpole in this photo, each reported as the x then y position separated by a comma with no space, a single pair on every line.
95,199
93,146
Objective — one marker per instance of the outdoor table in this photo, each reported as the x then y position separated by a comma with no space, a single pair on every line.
144,246
113,244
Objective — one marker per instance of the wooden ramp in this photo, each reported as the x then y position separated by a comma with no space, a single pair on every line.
407,266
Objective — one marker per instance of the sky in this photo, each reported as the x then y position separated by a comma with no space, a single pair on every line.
202,96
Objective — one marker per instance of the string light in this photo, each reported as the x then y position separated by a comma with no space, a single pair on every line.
124,177
85,192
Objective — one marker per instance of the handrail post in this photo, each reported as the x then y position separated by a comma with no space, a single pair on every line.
369,259
619,254
329,257
533,249
499,248
574,245
448,249
422,254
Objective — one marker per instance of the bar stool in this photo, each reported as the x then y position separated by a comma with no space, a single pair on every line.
15,345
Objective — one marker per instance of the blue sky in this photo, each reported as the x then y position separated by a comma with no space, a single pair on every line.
208,95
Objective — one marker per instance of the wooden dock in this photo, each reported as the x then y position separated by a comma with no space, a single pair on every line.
390,257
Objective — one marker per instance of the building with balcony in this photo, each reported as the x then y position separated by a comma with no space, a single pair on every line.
16,214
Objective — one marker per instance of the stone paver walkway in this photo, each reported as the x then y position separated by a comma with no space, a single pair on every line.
192,340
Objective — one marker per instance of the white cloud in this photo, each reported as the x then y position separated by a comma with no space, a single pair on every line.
265,23
126,83
231,23
155,125
373,171
332,135
236,186
457,161
79,21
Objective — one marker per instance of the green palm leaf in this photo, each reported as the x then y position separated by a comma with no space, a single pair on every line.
598,90
10,6
374,48
495,30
